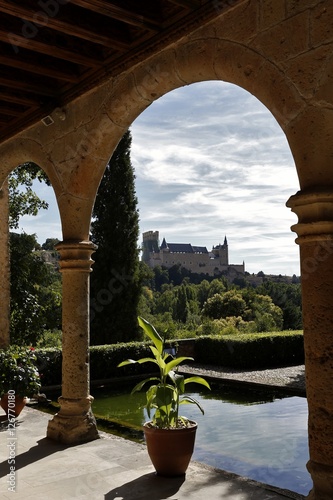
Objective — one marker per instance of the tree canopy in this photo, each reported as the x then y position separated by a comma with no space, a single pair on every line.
35,292
115,280
35,304
23,200
216,306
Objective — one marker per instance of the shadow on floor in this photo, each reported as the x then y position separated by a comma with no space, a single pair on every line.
156,487
225,485
42,449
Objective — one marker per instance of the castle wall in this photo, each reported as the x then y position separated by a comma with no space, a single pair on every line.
204,262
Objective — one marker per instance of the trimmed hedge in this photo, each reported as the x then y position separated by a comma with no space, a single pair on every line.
49,360
245,351
104,362
251,351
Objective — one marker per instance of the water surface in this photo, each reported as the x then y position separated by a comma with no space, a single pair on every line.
258,435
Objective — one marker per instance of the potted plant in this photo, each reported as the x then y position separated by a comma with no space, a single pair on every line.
169,436
19,378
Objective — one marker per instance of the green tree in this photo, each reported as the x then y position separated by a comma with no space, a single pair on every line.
213,307
115,280
161,277
218,285
50,243
165,300
289,298
146,302
267,315
35,285
35,292
181,307
22,198
230,303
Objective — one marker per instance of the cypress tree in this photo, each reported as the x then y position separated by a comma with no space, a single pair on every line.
115,283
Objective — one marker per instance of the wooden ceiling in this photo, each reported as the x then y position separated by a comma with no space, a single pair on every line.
51,51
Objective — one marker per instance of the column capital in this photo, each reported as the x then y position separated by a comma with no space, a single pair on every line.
314,209
76,255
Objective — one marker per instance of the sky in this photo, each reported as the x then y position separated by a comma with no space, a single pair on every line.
210,161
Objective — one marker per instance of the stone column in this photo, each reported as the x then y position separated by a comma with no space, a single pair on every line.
75,423
4,266
315,237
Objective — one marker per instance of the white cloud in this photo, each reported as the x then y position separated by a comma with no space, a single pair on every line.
210,160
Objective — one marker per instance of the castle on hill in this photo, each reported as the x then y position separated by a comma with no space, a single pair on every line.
194,258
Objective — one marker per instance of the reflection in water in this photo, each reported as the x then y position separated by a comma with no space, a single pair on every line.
254,434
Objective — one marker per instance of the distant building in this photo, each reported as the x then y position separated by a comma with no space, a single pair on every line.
194,258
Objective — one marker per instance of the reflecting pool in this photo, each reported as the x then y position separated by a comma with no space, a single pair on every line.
252,433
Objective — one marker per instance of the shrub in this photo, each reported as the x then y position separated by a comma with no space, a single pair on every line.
18,371
251,351
104,360
49,365
50,338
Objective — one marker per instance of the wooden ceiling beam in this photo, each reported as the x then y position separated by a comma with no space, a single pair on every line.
39,64
188,4
125,15
50,49
47,59
4,120
27,83
65,23
18,97
9,110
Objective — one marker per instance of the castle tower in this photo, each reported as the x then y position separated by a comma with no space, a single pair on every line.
223,253
150,244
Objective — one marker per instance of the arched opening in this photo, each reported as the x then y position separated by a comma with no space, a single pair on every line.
211,160
33,299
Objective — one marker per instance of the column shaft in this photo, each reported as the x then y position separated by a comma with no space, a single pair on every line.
75,422
315,237
4,266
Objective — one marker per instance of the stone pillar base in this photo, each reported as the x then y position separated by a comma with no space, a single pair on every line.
74,423
322,477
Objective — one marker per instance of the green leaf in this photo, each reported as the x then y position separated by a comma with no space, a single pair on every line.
178,380
176,362
151,396
197,380
158,358
152,333
126,362
189,400
140,361
139,386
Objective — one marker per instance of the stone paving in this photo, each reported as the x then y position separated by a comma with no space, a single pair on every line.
290,378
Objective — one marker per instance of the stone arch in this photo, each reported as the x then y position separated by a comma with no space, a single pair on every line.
73,208
113,107
22,151
198,61
202,60
74,156
291,100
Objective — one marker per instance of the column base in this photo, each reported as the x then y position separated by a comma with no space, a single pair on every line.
74,423
322,477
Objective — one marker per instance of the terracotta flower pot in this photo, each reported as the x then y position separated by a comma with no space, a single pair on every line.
13,405
170,450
